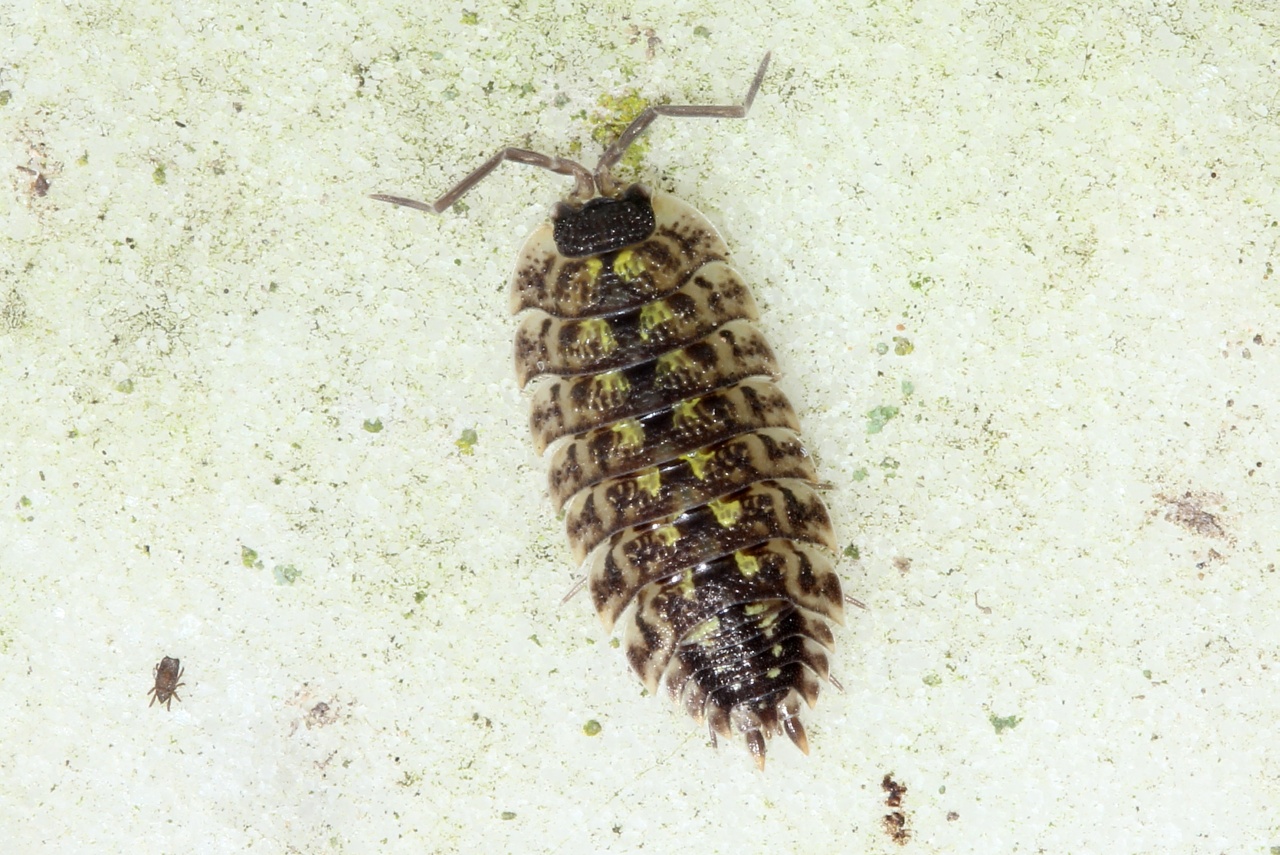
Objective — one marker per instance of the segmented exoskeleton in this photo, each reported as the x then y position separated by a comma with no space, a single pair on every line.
689,495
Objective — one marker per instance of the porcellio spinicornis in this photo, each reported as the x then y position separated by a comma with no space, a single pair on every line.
688,494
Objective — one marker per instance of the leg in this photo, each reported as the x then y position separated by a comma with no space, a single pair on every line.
583,189
614,153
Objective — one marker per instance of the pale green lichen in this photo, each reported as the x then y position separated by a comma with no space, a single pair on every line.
878,417
611,118
373,425
1001,724
286,574
467,442
592,728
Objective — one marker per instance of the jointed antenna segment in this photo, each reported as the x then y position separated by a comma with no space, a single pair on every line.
614,153
587,184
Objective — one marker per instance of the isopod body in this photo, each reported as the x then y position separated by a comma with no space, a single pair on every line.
687,492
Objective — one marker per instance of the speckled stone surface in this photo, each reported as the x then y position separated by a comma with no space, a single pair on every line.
1016,260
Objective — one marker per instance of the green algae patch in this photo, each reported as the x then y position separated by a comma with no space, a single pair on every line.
879,417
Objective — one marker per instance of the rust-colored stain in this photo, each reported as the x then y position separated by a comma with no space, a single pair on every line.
1189,511
895,823
39,185
895,790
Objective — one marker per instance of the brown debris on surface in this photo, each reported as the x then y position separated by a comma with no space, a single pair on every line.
1188,511
895,823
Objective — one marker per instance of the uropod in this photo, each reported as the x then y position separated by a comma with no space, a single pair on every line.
688,495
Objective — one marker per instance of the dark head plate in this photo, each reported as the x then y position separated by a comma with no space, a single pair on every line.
602,224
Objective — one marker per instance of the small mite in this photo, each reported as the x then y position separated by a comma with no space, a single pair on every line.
168,673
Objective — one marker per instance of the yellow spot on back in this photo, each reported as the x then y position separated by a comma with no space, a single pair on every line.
650,481
685,586
776,650
597,334
593,268
698,461
748,565
612,383
668,534
753,609
686,412
676,360
702,631
653,316
630,433
727,513
772,673
628,265
766,623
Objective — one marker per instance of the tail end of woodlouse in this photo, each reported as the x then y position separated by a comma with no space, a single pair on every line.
795,730
789,711
756,745
717,722
759,724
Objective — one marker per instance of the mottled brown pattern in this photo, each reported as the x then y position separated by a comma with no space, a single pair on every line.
701,594
713,297
689,494
730,354
591,457
640,555
684,481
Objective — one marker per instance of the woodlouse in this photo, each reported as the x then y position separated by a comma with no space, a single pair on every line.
689,495
167,674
